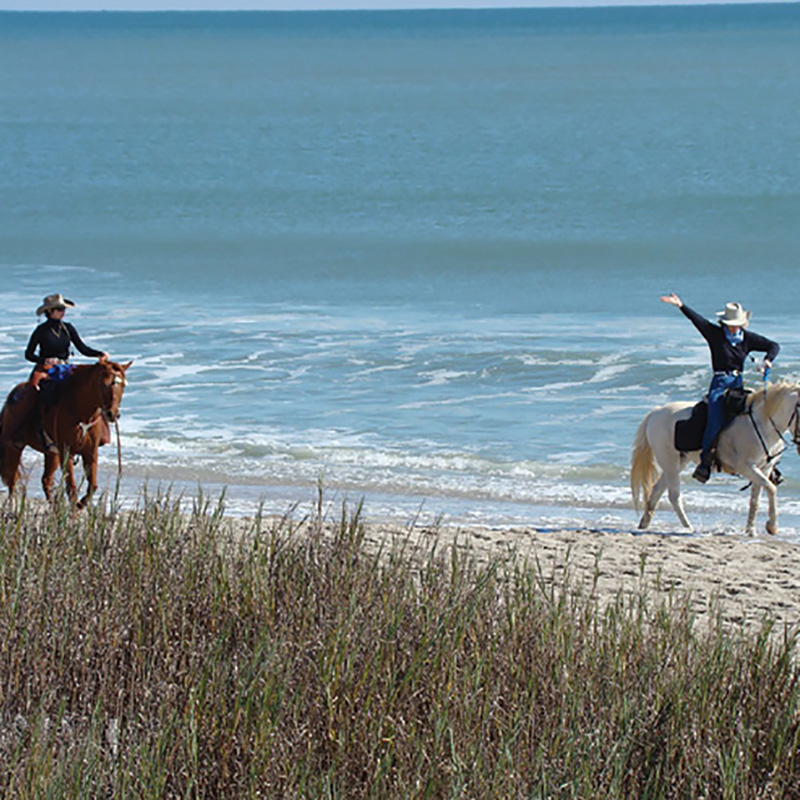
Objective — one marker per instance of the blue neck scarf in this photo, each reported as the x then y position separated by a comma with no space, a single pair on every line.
734,338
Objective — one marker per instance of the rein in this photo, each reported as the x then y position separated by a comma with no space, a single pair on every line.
106,413
119,450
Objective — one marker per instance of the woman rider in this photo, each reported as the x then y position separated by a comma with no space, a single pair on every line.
54,337
729,342
49,345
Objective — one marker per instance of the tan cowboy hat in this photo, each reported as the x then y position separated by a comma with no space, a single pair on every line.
54,301
734,315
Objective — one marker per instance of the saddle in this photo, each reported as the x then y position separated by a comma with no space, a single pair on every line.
50,390
689,432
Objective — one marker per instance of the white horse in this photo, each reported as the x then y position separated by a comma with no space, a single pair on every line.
750,446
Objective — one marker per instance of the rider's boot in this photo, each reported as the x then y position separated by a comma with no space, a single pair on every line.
703,470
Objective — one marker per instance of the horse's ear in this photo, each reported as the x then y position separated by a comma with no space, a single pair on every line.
124,367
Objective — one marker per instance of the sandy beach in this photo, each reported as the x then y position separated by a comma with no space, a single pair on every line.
742,579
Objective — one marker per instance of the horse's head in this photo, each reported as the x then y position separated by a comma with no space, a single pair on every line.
794,422
781,404
112,380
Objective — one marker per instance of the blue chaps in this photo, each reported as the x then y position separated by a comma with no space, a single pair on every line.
716,407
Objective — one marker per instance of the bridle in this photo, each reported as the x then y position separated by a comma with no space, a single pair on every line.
106,413
796,433
107,393
795,417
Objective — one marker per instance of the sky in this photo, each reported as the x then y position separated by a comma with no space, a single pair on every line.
306,5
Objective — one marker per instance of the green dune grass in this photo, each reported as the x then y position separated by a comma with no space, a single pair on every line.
159,653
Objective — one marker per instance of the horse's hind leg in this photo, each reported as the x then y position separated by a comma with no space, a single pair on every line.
652,502
10,472
675,497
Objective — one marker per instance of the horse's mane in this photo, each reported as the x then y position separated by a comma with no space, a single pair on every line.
772,396
77,378
83,369
77,373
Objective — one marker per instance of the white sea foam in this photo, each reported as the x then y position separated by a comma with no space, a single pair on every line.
410,320
610,372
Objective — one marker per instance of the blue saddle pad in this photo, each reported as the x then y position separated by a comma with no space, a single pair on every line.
60,372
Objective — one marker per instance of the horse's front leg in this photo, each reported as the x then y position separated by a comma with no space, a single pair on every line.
69,476
51,461
761,481
755,496
90,470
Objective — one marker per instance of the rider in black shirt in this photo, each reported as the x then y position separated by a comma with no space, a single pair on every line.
53,339
49,345
730,343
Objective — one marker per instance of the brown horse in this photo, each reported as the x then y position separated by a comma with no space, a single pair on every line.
76,422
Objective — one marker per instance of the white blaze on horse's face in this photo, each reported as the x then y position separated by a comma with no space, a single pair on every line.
115,384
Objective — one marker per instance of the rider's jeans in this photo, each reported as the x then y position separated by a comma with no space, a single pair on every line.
716,412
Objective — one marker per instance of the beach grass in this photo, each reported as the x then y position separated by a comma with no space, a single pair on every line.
162,653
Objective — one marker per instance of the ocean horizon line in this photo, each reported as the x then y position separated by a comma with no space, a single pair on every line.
353,10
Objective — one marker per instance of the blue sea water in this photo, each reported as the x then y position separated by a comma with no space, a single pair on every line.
415,255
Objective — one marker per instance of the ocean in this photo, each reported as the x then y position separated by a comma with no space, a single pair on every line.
414,257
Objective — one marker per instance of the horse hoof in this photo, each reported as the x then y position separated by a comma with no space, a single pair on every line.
772,529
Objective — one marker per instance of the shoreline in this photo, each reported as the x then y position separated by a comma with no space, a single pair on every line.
717,510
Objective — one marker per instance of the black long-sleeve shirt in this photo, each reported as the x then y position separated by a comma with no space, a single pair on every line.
726,357
53,339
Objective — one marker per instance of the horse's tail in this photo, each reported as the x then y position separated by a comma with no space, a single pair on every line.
2,443
643,465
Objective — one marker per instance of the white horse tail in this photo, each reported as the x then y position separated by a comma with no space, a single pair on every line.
643,466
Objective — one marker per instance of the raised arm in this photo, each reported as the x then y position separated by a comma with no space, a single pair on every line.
702,324
672,299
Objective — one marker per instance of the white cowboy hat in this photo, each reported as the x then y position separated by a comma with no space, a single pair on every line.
54,301
734,315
